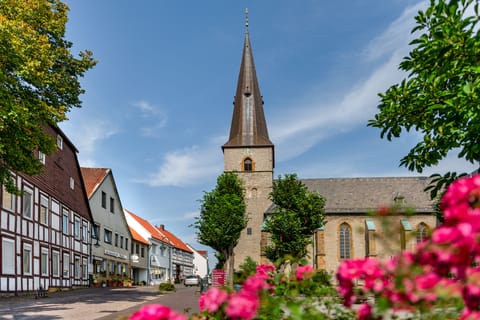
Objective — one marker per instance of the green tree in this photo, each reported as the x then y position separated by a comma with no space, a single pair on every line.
440,96
38,81
222,218
298,212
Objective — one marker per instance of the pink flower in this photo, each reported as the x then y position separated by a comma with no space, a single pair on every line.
156,312
263,270
255,284
212,299
242,306
364,311
304,272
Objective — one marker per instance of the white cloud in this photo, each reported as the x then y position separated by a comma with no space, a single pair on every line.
186,167
154,115
86,133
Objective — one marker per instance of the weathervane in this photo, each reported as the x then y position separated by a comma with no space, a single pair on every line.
246,19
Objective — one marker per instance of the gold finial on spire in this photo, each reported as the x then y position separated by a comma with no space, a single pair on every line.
246,19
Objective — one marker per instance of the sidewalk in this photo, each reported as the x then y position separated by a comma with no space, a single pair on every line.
96,303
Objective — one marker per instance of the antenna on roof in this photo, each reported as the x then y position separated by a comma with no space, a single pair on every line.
246,19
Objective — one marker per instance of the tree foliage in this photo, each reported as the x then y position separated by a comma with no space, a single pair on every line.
38,81
222,216
297,214
440,98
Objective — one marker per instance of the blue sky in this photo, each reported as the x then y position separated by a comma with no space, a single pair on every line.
158,105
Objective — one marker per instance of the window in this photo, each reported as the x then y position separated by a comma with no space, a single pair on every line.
43,210
84,269
126,244
104,200
27,259
142,252
249,231
65,221
247,164
96,231
66,265
72,183
59,142
85,231
27,203
8,256
116,239
44,262
55,263
345,241
121,242
112,205
108,236
154,249
119,268
78,269
137,248
422,232
41,157
8,201
76,228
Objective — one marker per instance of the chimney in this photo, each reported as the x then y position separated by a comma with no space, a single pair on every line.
161,227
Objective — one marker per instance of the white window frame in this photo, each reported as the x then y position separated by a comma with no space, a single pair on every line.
27,259
8,199
27,203
8,256
43,214
72,183
84,269
44,262
78,270
66,265
107,236
55,263
65,221
85,232
77,227
59,142
41,157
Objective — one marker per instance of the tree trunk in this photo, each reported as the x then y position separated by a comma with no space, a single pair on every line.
230,266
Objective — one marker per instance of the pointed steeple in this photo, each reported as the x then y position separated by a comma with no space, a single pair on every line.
249,127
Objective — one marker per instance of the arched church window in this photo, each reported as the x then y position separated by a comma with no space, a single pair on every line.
345,241
247,164
422,232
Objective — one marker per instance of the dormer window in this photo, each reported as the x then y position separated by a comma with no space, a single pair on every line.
247,164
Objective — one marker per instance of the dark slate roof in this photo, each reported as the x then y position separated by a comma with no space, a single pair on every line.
359,195
249,127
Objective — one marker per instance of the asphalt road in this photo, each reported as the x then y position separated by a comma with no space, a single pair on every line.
97,303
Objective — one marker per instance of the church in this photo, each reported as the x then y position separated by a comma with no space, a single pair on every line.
350,230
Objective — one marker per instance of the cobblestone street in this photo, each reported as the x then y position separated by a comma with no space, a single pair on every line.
96,303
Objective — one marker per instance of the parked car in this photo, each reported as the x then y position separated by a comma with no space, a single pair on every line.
192,281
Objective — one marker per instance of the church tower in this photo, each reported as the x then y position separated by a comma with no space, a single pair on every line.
250,154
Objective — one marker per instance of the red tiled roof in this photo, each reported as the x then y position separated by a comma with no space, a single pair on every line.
149,227
203,252
176,242
92,177
137,237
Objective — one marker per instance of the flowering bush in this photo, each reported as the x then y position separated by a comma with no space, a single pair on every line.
440,279
268,295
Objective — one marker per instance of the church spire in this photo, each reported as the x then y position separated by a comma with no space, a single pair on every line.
249,127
